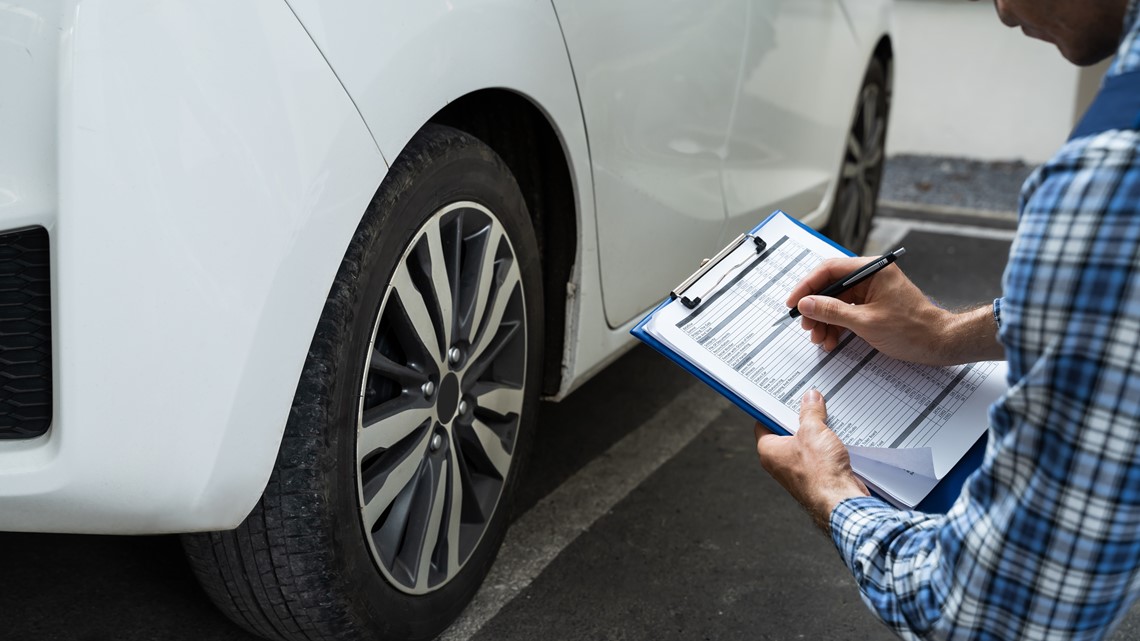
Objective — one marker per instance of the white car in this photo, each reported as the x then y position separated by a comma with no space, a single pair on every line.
294,274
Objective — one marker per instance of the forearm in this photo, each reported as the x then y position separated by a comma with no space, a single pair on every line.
970,336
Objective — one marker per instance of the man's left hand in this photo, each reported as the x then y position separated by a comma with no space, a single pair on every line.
813,466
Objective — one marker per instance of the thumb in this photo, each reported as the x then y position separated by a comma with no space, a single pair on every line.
813,411
831,311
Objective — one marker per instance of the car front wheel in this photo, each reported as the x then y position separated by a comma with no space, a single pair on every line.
390,494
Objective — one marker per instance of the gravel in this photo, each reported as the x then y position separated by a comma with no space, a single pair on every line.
958,183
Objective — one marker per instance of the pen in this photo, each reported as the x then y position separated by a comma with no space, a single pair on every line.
855,277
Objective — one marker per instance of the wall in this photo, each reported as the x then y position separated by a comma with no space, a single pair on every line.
966,85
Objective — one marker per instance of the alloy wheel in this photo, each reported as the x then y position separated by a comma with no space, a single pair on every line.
442,397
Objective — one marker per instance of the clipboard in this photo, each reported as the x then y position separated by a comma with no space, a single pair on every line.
939,500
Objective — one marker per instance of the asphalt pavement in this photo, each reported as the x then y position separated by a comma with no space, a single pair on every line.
644,514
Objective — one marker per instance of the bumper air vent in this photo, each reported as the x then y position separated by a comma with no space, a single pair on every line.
25,334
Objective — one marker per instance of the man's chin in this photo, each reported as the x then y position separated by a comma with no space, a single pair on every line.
1084,58
1088,55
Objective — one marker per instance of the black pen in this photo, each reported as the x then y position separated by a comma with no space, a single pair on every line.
855,277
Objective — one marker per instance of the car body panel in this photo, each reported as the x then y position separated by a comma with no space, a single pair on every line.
708,115
659,79
193,245
788,134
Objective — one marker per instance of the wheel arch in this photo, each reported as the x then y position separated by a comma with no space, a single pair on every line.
885,53
527,141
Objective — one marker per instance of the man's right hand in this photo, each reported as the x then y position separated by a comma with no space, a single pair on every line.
894,316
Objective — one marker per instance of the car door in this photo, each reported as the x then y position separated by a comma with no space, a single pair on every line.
657,81
801,70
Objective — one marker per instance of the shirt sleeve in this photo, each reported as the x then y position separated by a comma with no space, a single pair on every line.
1044,541
891,555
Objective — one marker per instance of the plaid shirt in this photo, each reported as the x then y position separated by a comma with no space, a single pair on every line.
1044,541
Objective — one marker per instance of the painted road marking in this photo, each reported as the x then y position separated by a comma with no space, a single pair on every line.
537,537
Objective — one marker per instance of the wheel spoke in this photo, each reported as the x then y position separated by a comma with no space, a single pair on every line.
455,514
489,350
395,481
868,202
875,145
850,170
870,111
494,317
492,447
850,212
441,283
854,147
431,532
402,374
418,318
381,428
486,278
875,156
500,399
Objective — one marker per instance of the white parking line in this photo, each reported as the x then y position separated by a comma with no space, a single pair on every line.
948,210
538,536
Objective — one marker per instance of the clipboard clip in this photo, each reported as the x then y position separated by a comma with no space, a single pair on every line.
692,303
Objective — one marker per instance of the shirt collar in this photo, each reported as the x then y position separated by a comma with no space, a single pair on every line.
1128,53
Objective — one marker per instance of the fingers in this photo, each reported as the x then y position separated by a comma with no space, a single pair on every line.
819,334
822,276
767,444
831,341
825,310
761,430
765,438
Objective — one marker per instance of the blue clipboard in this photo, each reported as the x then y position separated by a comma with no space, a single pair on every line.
940,499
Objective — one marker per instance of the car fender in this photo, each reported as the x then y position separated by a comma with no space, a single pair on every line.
402,62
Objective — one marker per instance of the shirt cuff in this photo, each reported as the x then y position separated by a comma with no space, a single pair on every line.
997,312
849,521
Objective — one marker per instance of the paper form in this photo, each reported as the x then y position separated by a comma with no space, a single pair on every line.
905,425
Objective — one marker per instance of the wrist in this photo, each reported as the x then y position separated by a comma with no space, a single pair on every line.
828,498
971,336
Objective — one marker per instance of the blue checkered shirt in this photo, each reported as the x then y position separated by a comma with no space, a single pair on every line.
1044,541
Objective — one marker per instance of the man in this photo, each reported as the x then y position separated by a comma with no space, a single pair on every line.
1044,541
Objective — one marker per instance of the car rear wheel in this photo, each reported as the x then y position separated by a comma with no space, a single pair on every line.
861,175
390,495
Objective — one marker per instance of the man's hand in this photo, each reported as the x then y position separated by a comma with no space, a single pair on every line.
813,466
894,316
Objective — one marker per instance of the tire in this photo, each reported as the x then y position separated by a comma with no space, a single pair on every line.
390,495
861,175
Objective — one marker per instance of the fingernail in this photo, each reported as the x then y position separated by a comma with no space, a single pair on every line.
807,306
812,396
